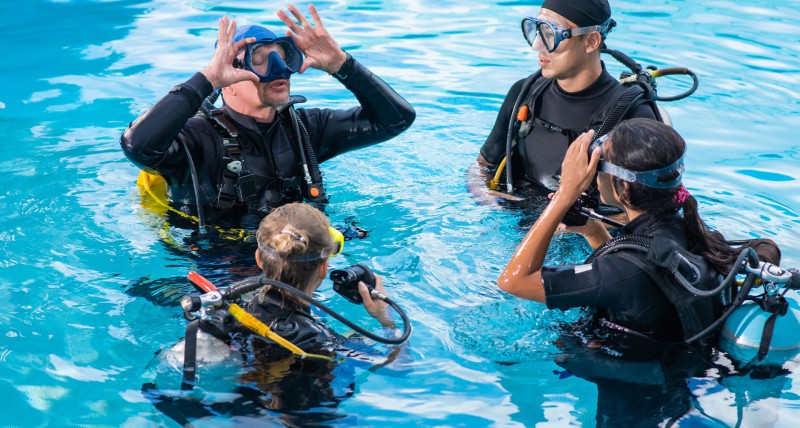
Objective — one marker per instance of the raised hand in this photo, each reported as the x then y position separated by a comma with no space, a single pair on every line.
578,169
320,49
220,71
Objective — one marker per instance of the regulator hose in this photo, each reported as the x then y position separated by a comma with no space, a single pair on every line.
674,71
251,284
406,323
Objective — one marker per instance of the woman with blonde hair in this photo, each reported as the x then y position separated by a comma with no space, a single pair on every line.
294,244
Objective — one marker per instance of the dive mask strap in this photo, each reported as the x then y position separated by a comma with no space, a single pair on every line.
647,178
338,242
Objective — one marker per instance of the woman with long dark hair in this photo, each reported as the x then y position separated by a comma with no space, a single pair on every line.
639,165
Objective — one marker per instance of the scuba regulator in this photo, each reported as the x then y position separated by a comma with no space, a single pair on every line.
762,329
582,210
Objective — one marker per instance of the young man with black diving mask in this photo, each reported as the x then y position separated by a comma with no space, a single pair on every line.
542,114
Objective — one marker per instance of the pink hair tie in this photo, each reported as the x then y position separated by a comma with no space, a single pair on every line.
681,196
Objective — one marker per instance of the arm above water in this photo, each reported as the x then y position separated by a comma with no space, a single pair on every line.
382,114
522,276
150,140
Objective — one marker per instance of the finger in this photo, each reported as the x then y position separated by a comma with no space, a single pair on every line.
289,23
238,46
308,62
595,158
221,32
364,292
299,16
244,75
379,283
576,145
315,16
231,31
587,139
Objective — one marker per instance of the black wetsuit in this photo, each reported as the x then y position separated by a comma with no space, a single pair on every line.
291,321
155,141
543,150
622,291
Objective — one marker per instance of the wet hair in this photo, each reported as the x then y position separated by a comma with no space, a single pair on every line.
294,229
646,144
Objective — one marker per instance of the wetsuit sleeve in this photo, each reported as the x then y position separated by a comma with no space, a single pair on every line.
382,114
602,283
494,148
150,140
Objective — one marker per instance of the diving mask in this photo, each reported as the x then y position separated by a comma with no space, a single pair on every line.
653,178
271,59
551,35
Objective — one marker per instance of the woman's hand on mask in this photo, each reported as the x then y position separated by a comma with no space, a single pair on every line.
578,169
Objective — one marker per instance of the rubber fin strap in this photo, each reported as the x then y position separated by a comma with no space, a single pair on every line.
190,356
261,329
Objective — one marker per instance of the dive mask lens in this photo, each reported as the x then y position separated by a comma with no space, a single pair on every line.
529,30
548,35
274,59
292,57
542,30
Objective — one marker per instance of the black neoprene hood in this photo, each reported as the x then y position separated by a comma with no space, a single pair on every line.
583,13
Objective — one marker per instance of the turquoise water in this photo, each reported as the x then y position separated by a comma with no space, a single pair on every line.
77,335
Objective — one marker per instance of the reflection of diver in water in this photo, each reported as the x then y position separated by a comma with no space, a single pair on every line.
644,383
640,383
290,363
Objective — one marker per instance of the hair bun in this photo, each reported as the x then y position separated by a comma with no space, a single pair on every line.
293,233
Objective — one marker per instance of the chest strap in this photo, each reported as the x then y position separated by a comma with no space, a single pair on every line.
238,183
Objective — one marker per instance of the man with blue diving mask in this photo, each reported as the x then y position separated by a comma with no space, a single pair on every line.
235,163
570,93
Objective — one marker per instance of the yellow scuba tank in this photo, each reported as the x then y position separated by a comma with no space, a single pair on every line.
153,189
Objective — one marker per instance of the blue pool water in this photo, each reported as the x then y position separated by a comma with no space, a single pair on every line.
79,254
